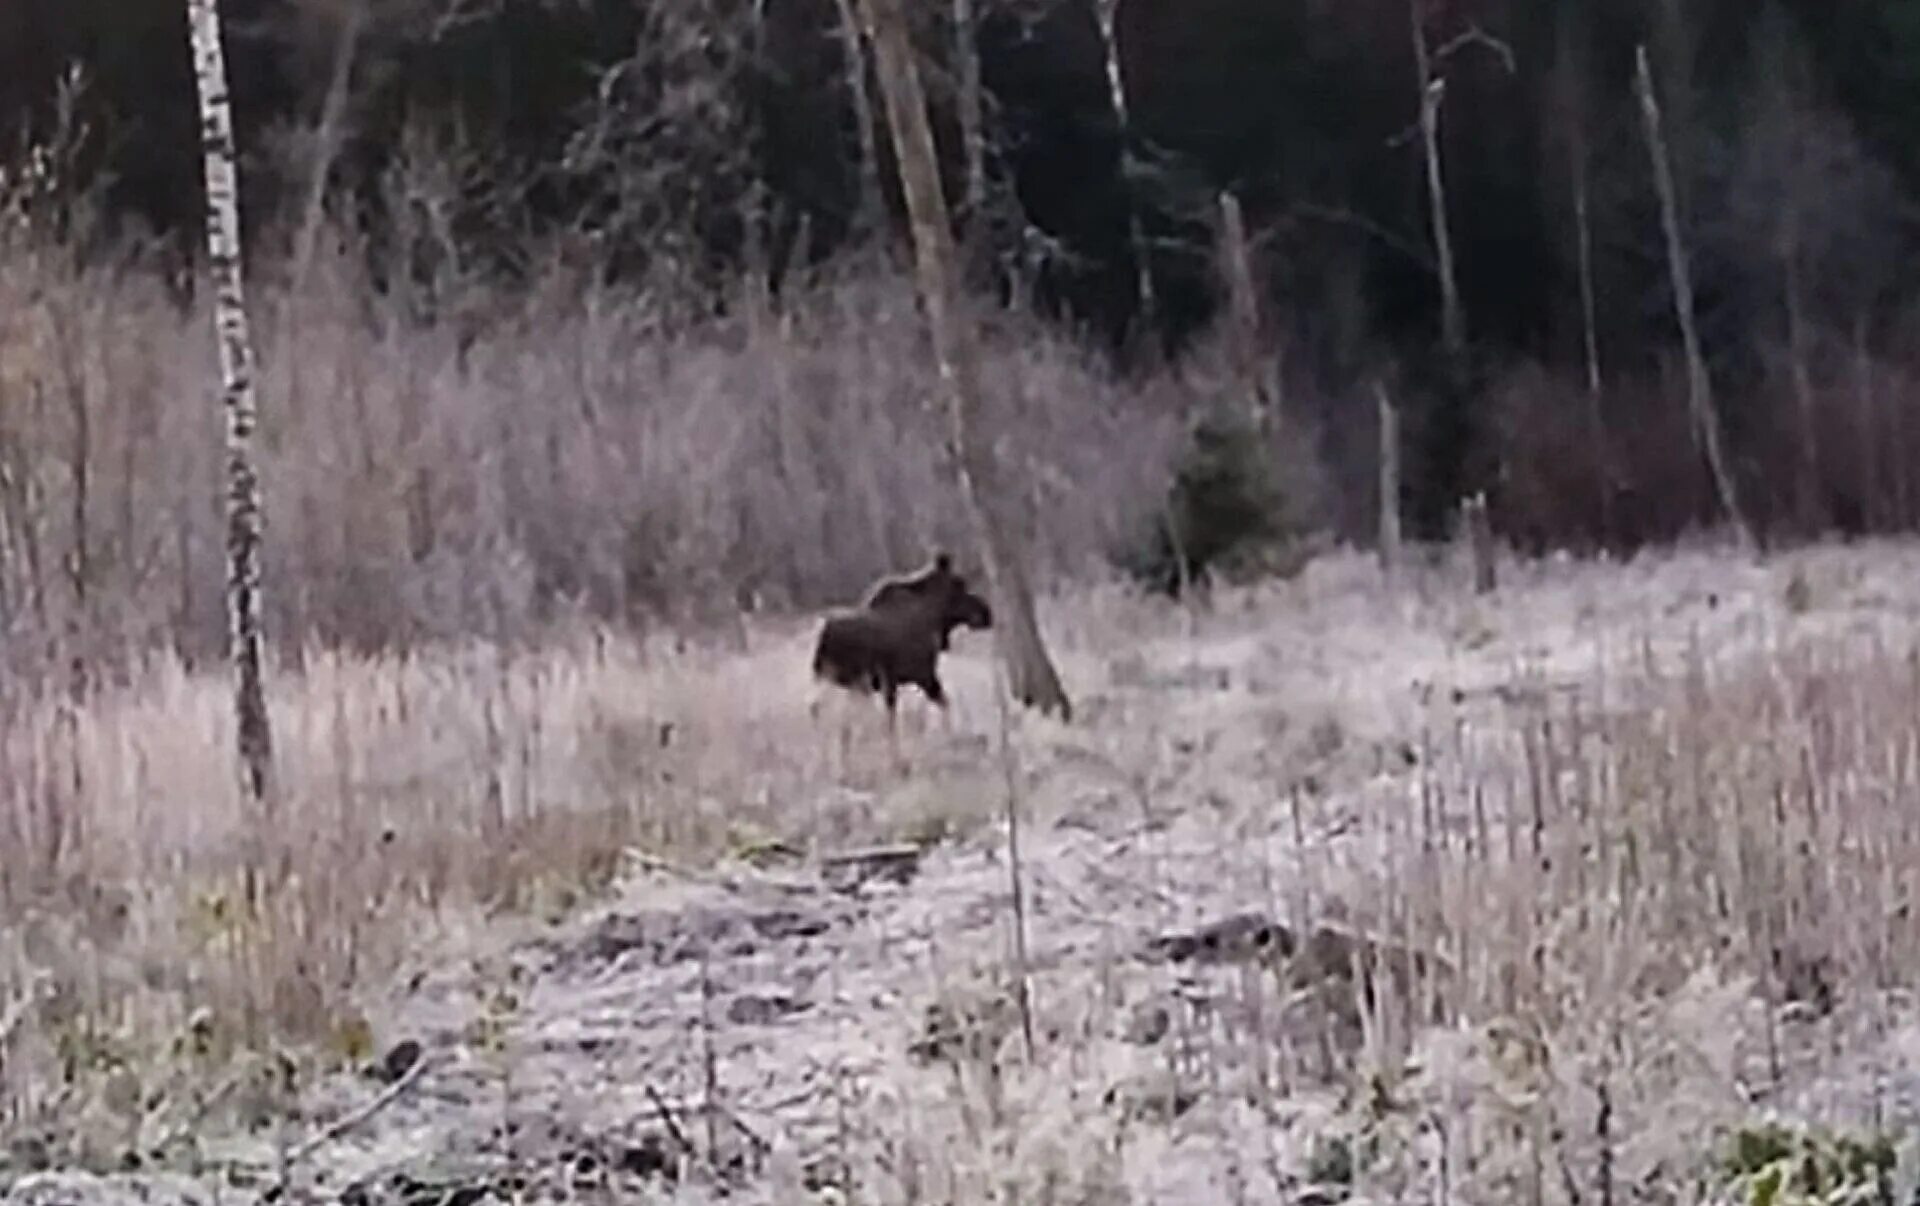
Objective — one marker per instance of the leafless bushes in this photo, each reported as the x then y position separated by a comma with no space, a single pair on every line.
1643,479
579,454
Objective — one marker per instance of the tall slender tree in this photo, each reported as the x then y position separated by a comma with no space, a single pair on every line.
1430,65
1030,670
1572,101
868,203
236,398
1700,404
1108,11
1433,88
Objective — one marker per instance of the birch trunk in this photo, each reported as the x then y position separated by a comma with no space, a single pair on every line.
1117,96
1030,670
1453,326
237,399
1706,418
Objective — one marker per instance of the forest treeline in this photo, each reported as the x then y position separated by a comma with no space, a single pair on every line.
466,151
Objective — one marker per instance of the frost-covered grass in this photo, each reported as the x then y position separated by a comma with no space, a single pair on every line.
1656,827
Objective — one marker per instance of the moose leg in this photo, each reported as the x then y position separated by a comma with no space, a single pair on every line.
935,693
890,691
930,686
946,712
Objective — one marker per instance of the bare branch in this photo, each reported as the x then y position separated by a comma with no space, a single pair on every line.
1475,36
340,1126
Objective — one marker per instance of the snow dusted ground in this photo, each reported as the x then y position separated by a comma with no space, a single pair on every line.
820,1019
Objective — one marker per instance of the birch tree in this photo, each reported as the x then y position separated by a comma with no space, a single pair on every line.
1430,66
236,398
1108,12
1030,670
1704,413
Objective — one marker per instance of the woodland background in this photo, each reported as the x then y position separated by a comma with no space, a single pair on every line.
590,366
519,265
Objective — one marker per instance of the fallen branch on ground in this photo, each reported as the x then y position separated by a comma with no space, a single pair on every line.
340,1126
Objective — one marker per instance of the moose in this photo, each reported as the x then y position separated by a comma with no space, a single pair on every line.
897,633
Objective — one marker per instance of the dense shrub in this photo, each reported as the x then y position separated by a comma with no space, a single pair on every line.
1230,511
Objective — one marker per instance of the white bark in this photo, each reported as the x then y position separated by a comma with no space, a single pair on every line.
236,397
1706,418
1453,326
1117,94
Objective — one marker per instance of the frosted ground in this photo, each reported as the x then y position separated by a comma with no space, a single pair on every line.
1627,849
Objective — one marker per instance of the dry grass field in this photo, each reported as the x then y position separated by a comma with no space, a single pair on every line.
1331,892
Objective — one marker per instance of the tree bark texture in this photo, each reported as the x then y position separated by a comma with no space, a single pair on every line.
1706,419
989,494
1259,374
244,521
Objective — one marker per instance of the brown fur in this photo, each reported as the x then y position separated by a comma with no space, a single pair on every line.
902,589
896,635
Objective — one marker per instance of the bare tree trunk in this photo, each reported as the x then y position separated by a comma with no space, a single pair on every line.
1589,327
1117,96
1031,674
1389,482
1453,323
328,138
1258,374
1479,527
1867,427
1706,419
1777,121
1676,46
237,399
1801,374
1583,237
867,205
973,136
1575,113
